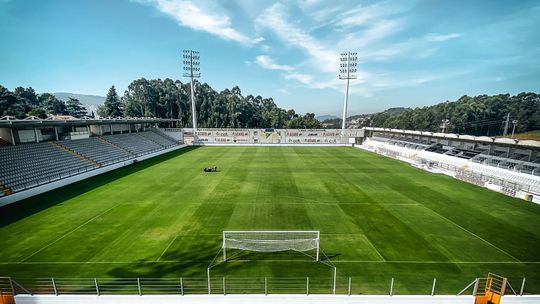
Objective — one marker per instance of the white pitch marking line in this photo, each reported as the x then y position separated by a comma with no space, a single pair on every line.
477,236
167,248
375,248
68,233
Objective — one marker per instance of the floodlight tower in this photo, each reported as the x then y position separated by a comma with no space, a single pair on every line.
347,71
192,62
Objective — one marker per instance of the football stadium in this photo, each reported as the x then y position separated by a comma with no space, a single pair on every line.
379,152
386,216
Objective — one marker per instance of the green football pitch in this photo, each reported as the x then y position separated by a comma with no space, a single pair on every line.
379,219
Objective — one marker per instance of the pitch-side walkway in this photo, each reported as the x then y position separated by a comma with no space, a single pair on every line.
262,299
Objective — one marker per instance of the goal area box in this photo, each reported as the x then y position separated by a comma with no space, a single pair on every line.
271,241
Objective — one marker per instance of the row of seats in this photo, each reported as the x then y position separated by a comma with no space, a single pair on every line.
28,165
34,164
134,143
97,149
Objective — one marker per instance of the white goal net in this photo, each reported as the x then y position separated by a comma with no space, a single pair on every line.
271,241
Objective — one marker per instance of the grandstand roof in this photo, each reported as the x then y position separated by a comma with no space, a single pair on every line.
485,139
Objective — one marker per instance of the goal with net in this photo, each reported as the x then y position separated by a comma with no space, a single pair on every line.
271,241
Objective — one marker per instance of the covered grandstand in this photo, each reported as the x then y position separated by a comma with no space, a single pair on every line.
501,164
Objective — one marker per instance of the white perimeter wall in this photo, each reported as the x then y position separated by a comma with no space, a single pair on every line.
276,136
262,299
17,196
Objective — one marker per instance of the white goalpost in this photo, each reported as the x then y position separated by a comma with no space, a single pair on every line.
271,241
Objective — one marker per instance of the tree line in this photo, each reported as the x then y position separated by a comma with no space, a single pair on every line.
226,109
24,102
164,99
478,115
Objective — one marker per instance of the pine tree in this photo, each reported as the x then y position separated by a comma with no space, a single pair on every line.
112,104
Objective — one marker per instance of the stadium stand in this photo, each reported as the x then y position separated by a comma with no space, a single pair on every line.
96,149
29,165
499,169
134,143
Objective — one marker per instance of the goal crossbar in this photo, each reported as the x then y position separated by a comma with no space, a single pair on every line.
271,241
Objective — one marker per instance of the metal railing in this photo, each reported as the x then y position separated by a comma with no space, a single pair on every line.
222,285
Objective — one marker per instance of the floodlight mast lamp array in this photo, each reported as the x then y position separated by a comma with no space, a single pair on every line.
347,71
192,69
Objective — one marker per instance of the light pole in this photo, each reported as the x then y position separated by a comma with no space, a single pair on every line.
192,62
514,122
347,71
445,123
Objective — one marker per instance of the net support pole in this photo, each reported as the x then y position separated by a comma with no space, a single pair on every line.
522,287
392,287
139,286
318,244
224,290
307,286
349,289
224,246
265,286
208,276
97,286
335,276
433,288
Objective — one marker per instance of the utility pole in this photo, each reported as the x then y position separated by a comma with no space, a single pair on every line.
347,71
445,123
192,70
514,123
506,124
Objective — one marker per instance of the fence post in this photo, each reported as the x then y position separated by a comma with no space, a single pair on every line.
224,292
97,286
208,274
392,287
475,286
349,289
265,286
433,288
54,287
139,285
307,286
522,287
13,292
181,286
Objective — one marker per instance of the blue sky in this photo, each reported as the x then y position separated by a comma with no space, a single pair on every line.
411,53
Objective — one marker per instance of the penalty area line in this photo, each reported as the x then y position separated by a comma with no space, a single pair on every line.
167,248
68,233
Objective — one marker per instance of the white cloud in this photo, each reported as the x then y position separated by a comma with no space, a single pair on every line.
268,63
303,78
274,19
441,37
191,15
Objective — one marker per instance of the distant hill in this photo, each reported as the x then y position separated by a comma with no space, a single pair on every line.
85,99
90,102
326,117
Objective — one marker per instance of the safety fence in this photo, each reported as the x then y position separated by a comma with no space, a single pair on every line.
10,287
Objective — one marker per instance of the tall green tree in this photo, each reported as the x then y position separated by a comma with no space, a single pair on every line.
112,104
75,108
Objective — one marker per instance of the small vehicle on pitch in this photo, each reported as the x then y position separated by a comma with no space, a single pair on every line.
211,169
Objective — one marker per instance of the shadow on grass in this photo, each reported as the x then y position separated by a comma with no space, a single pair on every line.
19,210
